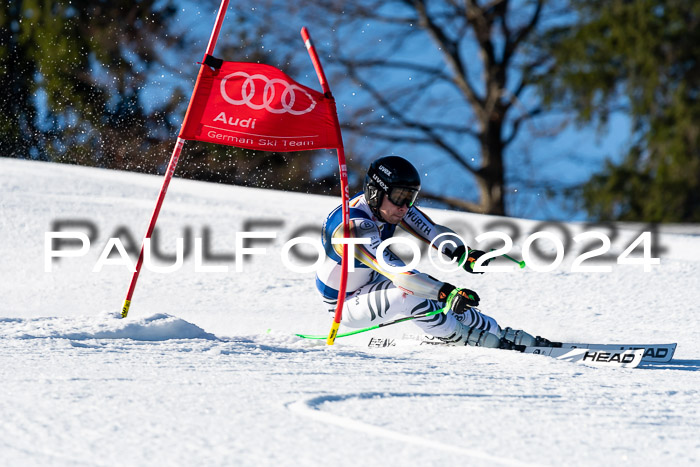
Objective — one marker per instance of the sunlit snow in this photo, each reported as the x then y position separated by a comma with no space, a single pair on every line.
206,370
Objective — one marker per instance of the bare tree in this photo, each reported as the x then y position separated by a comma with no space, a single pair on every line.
453,77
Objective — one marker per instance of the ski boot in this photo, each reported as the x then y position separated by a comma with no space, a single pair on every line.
520,339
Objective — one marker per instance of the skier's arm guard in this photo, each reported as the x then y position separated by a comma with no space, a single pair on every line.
412,282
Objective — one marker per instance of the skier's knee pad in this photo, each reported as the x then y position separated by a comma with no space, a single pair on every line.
480,337
490,340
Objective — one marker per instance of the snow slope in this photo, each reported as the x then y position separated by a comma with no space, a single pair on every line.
205,370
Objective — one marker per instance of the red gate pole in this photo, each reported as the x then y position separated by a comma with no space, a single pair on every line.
343,188
173,160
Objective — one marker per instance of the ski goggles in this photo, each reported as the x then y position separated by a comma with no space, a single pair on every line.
403,196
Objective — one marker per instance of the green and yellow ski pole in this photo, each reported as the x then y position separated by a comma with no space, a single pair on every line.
381,325
519,263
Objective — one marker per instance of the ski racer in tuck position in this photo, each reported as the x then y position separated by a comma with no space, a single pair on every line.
375,295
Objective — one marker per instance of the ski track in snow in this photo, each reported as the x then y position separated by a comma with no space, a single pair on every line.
309,408
194,377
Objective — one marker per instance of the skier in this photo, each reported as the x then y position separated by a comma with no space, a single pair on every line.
375,295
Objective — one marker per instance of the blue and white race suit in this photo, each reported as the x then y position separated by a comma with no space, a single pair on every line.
375,295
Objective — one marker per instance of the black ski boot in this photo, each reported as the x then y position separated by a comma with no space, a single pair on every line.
508,345
518,337
542,342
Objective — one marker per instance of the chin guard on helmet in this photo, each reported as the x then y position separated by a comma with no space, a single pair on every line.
372,195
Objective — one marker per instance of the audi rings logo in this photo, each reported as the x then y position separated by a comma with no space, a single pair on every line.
248,91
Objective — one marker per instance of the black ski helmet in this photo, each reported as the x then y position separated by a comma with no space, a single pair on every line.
394,177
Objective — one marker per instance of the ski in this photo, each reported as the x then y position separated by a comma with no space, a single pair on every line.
592,355
653,353
619,355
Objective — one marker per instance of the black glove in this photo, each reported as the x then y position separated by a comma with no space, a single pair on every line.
458,300
466,258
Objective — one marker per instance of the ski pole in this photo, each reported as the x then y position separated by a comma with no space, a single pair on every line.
520,263
381,325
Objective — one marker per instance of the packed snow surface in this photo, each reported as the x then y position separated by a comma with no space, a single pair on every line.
206,369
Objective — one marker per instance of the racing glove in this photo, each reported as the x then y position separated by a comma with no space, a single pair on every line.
466,258
458,300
